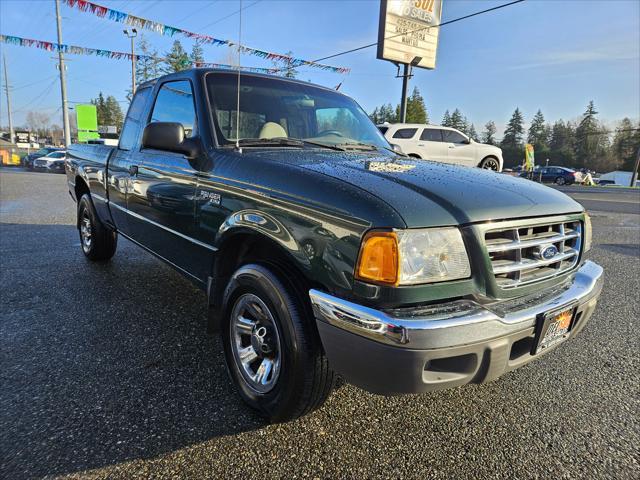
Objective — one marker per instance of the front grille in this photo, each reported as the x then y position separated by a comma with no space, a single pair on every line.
525,254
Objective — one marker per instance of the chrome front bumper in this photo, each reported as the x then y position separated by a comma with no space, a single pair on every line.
429,348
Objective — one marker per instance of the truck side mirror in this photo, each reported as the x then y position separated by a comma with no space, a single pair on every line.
170,137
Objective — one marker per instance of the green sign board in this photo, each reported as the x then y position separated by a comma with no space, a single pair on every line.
86,136
87,117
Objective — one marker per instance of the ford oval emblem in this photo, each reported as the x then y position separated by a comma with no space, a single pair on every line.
547,252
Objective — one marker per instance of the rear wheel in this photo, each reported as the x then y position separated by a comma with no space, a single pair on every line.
490,163
560,181
98,242
273,352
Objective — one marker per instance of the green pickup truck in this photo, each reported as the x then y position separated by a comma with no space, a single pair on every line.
324,253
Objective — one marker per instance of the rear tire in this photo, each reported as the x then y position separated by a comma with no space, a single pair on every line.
98,242
273,353
560,181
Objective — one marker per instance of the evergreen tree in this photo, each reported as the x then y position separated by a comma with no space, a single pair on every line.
489,134
114,112
512,137
446,119
458,121
388,114
561,143
416,110
626,143
538,133
108,111
197,54
100,110
287,70
591,141
472,132
375,116
176,59
147,68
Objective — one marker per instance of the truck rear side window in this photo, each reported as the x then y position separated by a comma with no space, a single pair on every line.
174,103
132,123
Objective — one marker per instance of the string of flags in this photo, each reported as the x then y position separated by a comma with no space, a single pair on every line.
76,50
143,23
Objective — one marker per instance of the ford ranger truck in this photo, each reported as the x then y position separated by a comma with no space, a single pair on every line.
323,253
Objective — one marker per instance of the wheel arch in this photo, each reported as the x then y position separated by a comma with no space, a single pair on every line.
243,245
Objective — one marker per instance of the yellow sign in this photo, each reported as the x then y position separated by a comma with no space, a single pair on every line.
408,31
529,160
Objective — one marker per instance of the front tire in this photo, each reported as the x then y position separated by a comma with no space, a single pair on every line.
272,350
490,163
98,242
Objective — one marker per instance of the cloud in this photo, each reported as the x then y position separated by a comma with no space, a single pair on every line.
620,52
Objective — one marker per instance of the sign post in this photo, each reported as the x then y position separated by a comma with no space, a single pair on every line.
408,35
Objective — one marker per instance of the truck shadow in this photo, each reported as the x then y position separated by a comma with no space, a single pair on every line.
103,363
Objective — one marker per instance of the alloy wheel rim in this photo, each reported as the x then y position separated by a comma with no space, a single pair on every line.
491,165
85,232
255,343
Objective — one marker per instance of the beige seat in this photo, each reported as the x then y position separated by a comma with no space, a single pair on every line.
272,130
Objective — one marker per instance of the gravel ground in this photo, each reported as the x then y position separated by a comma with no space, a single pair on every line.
107,373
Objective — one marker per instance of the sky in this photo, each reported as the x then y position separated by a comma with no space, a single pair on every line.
553,55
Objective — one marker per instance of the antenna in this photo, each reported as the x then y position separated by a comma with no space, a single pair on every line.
238,97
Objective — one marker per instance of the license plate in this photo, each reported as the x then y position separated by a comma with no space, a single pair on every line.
553,328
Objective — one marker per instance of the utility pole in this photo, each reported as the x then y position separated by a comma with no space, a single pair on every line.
12,134
63,80
406,75
634,174
132,34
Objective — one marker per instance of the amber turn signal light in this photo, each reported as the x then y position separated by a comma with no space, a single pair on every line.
378,261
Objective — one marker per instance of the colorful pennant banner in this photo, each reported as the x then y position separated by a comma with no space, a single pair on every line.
75,50
143,23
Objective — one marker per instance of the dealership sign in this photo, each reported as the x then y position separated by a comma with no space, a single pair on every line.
408,31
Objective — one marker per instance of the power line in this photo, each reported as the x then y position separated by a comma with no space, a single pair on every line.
419,29
230,15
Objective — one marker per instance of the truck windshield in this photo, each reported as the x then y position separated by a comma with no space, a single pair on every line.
272,108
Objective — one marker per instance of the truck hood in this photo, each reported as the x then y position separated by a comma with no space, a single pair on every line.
426,193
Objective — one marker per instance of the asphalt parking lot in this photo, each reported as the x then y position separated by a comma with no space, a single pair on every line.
107,373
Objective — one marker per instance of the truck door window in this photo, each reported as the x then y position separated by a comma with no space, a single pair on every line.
405,133
133,120
431,135
174,103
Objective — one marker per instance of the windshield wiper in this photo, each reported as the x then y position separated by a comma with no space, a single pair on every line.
370,147
322,145
280,142
285,142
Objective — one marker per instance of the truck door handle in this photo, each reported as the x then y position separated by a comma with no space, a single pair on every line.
452,146
133,170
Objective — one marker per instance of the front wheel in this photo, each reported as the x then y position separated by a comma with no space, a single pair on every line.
490,163
273,352
98,242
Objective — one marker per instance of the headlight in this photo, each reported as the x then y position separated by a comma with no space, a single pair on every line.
587,232
410,257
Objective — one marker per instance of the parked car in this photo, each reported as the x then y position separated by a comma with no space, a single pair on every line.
27,160
557,175
322,252
51,163
442,144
